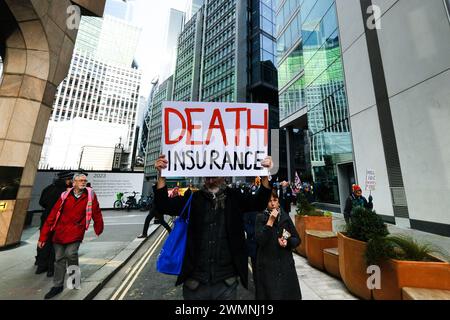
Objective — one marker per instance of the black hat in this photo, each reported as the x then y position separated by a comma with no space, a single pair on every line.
65,175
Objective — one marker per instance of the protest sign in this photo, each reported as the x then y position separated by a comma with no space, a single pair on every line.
371,180
205,139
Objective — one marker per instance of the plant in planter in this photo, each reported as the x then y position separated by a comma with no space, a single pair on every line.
364,225
404,262
309,218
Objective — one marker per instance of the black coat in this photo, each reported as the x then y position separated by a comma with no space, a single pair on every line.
49,197
235,205
276,277
286,199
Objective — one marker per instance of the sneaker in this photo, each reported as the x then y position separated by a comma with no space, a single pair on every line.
142,236
41,269
53,292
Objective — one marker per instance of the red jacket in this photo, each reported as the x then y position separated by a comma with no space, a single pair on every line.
72,222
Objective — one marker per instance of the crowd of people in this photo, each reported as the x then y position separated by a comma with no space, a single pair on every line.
229,224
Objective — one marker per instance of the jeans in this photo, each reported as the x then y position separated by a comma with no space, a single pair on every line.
65,255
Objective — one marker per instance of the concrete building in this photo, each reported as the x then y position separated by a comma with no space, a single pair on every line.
358,98
36,46
397,80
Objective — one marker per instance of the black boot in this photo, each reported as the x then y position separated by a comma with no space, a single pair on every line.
41,269
142,236
53,292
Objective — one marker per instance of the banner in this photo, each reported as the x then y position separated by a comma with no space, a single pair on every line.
371,180
205,139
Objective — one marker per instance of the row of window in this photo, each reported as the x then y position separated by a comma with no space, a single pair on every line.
213,5
218,28
219,15
225,35
220,55
219,70
219,85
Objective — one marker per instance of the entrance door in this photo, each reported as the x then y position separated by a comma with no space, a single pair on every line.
346,178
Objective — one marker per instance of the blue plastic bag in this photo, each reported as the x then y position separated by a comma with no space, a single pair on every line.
170,259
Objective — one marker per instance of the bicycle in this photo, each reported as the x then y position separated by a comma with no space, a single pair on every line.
145,203
128,204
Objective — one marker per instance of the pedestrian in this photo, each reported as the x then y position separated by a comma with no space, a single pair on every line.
45,257
159,219
286,196
308,193
276,237
355,200
250,239
215,256
66,225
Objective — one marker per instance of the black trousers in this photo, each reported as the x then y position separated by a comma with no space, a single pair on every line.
152,214
46,256
218,291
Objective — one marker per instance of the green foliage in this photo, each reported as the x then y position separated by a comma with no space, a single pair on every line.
327,214
365,225
401,247
304,208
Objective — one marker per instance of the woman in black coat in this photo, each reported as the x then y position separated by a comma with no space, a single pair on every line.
276,237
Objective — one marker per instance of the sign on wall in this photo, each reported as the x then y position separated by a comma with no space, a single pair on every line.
203,139
371,180
105,184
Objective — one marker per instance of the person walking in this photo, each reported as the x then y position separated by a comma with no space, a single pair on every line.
159,219
215,256
355,200
66,225
276,236
286,196
45,257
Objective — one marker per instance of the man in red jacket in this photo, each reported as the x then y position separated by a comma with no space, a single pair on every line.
66,224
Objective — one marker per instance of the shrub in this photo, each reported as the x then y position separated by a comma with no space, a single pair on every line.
304,208
401,247
365,225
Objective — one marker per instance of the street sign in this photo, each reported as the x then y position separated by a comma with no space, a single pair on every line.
371,180
205,139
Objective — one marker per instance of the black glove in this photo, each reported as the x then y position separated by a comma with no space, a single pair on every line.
370,198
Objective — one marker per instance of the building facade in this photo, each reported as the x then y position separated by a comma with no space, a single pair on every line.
313,103
101,86
397,75
226,53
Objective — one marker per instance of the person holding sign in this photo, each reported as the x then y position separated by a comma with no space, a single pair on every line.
356,199
215,257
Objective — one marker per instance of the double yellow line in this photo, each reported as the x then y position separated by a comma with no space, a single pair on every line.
137,269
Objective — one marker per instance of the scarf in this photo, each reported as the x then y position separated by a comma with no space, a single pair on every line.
218,198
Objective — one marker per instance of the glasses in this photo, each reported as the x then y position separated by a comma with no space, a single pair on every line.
81,180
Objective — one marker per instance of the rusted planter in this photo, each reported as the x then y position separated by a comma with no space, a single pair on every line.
352,266
316,242
331,262
303,223
397,274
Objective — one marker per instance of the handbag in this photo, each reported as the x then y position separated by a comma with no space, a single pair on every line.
170,259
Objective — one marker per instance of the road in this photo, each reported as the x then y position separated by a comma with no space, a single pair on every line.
139,280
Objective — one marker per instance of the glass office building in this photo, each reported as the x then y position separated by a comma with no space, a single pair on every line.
312,89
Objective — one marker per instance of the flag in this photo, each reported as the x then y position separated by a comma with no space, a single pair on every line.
298,182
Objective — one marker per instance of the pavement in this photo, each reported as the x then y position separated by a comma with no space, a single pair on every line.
99,257
117,265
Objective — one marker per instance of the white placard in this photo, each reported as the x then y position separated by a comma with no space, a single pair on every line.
371,180
205,139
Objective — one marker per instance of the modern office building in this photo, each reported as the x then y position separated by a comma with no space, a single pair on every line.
397,80
108,39
102,84
226,53
163,92
192,8
359,93
313,104
175,24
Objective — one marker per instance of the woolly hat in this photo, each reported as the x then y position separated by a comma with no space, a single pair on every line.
355,188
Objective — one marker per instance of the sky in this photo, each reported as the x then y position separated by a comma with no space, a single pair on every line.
152,16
